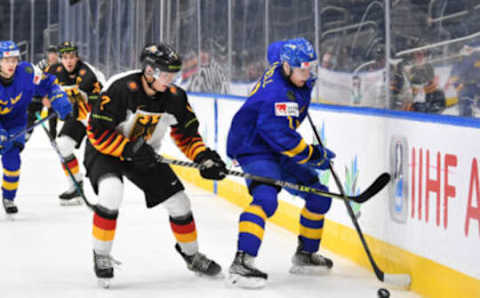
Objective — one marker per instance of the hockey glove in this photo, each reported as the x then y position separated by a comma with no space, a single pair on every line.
321,157
142,156
5,145
61,105
213,166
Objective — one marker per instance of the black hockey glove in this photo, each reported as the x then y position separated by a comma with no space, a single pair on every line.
213,166
141,155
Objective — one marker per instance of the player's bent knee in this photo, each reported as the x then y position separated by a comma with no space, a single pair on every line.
317,203
178,205
110,192
66,145
266,197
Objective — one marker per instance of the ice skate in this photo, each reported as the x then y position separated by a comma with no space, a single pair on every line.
10,208
243,274
304,262
200,264
72,196
103,265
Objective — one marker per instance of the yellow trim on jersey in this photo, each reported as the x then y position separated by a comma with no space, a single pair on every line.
299,148
11,173
290,123
310,152
251,228
118,152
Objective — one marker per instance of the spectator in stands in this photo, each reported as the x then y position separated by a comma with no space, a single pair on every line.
465,77
428,97
328,60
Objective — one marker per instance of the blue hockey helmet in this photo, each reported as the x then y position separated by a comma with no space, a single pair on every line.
298,52
8,49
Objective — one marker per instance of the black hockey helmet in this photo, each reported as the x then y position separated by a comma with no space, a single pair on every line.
67,47
162,57
52,49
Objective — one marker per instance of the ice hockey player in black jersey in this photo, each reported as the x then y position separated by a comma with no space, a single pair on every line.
125,130
37,103
82,83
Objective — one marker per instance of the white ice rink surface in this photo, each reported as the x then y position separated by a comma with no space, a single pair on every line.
47,250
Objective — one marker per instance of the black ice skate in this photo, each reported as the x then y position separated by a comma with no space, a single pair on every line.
309,263
200,264
72,196
243,274
10,207
103,265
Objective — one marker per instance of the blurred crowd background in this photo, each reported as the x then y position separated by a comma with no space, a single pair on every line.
432,46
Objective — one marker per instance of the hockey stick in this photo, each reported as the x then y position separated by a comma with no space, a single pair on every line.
373,189
55,147
36,123
402,280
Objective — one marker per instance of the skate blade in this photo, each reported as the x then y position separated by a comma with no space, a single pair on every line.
239,281
218,276
10,216
309,270
104,282
71,202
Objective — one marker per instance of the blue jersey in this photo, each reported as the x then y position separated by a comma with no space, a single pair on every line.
466,71
28,81
265,126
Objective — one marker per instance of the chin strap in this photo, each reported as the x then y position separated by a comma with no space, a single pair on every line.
6,81
285,75
148,83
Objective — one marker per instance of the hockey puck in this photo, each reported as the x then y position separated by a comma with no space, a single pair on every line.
383,293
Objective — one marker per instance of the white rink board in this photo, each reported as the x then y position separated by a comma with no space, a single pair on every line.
367,138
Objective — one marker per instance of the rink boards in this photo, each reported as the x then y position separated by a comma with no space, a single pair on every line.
425,223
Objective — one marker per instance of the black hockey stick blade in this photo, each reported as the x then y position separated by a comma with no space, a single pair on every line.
373,189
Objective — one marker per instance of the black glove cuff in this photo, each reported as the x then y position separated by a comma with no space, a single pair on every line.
207,154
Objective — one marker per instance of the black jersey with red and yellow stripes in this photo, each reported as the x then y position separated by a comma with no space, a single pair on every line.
125,112
82,86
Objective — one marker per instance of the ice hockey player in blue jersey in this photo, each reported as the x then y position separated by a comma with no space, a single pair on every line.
264,141
465,77
19,82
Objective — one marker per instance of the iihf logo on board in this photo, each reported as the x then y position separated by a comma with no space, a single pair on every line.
398,189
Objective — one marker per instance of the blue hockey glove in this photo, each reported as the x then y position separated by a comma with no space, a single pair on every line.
5,144
321,157
62,106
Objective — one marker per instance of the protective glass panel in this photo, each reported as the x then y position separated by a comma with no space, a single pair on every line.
435,66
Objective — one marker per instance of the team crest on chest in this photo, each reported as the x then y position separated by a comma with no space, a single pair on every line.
144,126
82,72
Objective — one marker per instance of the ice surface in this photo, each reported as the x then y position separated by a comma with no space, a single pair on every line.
47,250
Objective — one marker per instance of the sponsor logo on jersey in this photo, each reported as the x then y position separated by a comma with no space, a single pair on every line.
285,109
